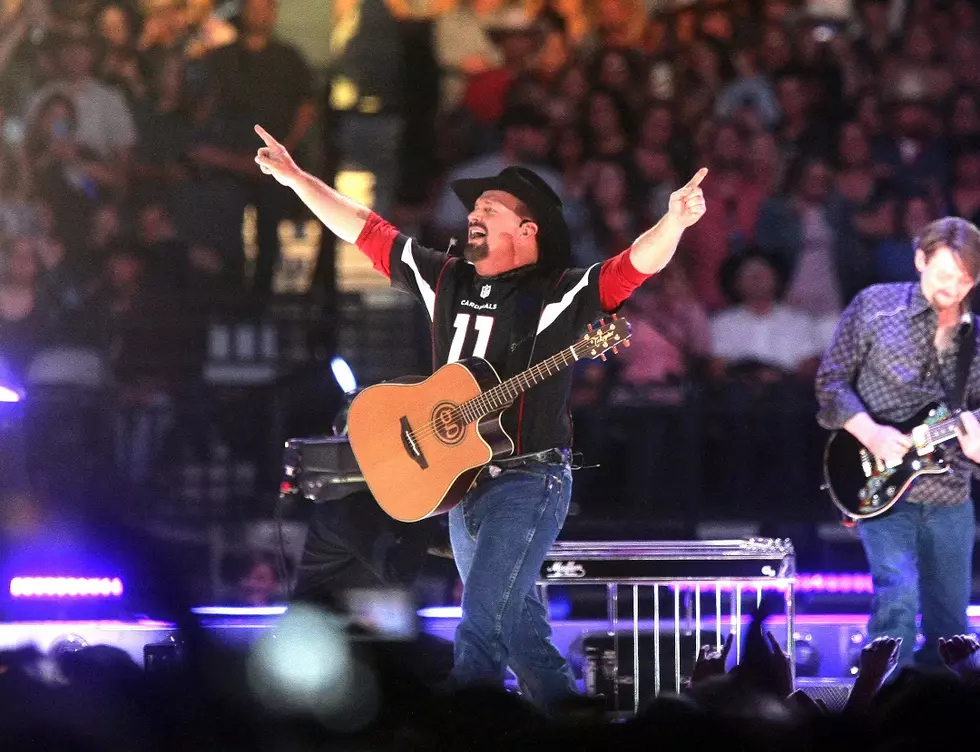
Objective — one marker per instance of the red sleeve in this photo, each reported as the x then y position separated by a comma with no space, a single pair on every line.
617,280
375,241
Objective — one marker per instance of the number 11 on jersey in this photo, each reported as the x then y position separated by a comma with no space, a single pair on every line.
483,326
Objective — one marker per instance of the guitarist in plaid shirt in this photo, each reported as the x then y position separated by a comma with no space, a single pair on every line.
894,352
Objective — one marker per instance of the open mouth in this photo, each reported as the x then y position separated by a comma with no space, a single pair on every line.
477,233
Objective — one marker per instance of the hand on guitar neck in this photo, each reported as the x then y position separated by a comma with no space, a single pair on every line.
885,442
968,433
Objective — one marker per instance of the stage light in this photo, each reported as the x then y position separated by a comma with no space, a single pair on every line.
806,582
239,610
9,395
441,612
343,374
66,587
835,582
11,390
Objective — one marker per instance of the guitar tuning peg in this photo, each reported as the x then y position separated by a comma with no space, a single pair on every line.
626,343
589,328
615,350
602,357
615,316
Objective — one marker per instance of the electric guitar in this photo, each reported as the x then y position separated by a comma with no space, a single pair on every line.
863,486
421,445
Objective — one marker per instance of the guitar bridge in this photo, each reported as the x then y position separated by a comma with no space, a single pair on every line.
411,444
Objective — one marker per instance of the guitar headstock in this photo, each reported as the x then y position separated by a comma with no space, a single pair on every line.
605,335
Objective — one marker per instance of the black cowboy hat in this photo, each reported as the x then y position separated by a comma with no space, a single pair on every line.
554,238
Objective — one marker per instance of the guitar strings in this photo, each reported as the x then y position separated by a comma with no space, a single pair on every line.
943,431
476,408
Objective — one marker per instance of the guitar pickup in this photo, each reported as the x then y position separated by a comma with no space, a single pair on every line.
866,463
920,437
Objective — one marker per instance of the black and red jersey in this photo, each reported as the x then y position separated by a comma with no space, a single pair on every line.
475,316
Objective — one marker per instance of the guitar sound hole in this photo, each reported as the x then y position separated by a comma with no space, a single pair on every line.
447,423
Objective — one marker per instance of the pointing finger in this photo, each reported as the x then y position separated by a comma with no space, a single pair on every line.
265,136
696,180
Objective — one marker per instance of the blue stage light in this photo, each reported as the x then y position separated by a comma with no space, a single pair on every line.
344,375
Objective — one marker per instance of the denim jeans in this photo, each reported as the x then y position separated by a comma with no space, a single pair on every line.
920,555
500,534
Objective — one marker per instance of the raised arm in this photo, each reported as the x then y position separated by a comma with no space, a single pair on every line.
652,251
344,217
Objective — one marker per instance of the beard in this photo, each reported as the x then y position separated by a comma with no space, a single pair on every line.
476,251
943,302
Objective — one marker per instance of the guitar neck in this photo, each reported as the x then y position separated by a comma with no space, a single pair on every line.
507,391
946,430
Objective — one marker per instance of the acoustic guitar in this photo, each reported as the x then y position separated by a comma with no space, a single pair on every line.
863,486
421,444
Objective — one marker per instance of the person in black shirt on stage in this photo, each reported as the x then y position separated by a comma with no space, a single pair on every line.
895,351
513,300
260,77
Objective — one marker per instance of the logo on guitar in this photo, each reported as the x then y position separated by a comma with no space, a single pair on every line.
485,291
446,423
565,570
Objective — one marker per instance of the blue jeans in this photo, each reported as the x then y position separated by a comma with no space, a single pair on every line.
920,554
500,534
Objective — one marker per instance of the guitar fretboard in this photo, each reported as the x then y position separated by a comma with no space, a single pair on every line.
507,391
946,430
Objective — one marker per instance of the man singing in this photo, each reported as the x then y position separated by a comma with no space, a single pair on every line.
513,301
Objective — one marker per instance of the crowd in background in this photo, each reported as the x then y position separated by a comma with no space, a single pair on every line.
127,167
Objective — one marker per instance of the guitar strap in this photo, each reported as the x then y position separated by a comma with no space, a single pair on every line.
527,313
964,357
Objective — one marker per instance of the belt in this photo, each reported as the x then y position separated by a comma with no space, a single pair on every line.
548,457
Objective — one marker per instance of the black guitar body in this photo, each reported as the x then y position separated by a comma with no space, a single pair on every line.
861,486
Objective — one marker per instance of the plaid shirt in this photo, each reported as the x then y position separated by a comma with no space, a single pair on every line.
883,361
